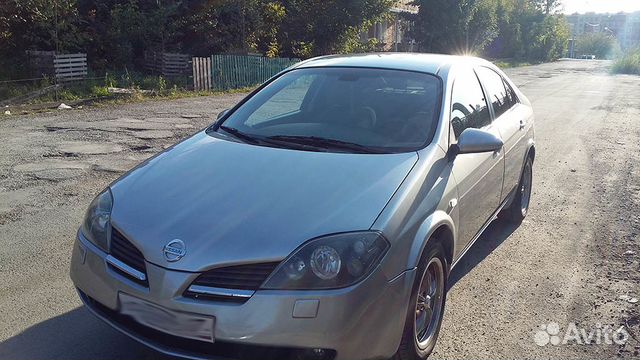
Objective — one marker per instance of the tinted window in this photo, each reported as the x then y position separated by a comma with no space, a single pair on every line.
494,84
512,98
385,110
469,108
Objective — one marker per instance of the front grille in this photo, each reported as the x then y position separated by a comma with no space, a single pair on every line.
126,252
241,277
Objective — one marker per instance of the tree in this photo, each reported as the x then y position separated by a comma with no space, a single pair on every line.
317,27
528,32
599,44
463,26
548,7
41,24
547,39
37,25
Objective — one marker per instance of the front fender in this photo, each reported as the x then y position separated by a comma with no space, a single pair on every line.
424,235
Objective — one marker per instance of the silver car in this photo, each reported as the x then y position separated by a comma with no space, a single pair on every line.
319,218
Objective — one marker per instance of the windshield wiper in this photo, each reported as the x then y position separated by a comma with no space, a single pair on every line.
325,143
255,140
239,134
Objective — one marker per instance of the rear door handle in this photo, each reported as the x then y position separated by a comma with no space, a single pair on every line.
522,124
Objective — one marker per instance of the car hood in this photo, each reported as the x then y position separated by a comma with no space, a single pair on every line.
233,203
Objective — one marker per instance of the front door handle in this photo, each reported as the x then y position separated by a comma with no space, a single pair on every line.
522,124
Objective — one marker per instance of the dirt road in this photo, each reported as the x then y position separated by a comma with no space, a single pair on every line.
573,266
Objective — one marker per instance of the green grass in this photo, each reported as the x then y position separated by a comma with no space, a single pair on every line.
510,63
96,88
629,63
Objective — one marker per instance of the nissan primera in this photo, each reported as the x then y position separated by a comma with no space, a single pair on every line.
318,218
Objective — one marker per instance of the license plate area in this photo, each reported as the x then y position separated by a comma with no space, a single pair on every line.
181,324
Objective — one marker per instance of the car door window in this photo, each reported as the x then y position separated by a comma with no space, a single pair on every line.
469,108
501,100
512,98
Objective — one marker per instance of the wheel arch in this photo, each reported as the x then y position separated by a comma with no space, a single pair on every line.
531,151
440,227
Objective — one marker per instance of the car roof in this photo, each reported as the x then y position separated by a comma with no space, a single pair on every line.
427,63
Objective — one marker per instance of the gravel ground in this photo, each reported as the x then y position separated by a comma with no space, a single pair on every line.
574,261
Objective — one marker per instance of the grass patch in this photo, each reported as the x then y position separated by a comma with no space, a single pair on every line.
510,63
142,87
629,63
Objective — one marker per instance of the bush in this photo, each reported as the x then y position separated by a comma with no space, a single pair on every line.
628,63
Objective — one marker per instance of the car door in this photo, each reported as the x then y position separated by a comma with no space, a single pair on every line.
479,176
509,121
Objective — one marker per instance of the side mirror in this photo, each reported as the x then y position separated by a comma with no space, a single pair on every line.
222,114
473,141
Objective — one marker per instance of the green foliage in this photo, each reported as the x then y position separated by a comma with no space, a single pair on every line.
265,38
99,91
602,45
548,7
36,25
41,25
115,34
547,39
319,27
629,63
455,27
529,30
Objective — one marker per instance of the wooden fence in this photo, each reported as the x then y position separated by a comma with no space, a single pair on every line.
202,73
234,71
41,63
167,64
70,66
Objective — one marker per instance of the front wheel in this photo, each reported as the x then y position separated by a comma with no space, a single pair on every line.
426,307
520,205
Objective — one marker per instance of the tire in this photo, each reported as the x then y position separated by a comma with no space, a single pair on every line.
519,208
411,348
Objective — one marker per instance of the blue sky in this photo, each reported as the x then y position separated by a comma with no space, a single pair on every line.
602,6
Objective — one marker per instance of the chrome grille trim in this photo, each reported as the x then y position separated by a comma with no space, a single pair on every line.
233,293
126,268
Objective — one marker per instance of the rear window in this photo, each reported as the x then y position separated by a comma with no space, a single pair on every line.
385,110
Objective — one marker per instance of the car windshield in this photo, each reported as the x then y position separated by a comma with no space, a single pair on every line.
341,109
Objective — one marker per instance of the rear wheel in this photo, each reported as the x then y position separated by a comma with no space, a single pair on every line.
426,307
519,208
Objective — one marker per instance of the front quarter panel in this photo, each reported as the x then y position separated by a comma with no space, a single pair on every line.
421,205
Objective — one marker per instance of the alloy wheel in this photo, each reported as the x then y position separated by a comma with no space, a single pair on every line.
525,188
429,304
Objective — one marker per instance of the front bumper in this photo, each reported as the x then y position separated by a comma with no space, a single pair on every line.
364,321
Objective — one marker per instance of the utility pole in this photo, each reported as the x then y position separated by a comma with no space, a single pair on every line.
55,30
55,34
242,28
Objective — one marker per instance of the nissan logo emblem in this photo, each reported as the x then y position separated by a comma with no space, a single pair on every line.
174,250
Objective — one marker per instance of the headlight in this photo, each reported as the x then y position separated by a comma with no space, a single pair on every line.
330,262
97,220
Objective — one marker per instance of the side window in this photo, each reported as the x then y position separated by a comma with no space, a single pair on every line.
493,82
469,108
512,98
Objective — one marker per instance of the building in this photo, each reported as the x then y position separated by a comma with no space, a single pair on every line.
391,33
623,26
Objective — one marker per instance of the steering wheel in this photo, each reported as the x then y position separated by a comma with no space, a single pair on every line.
369,118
